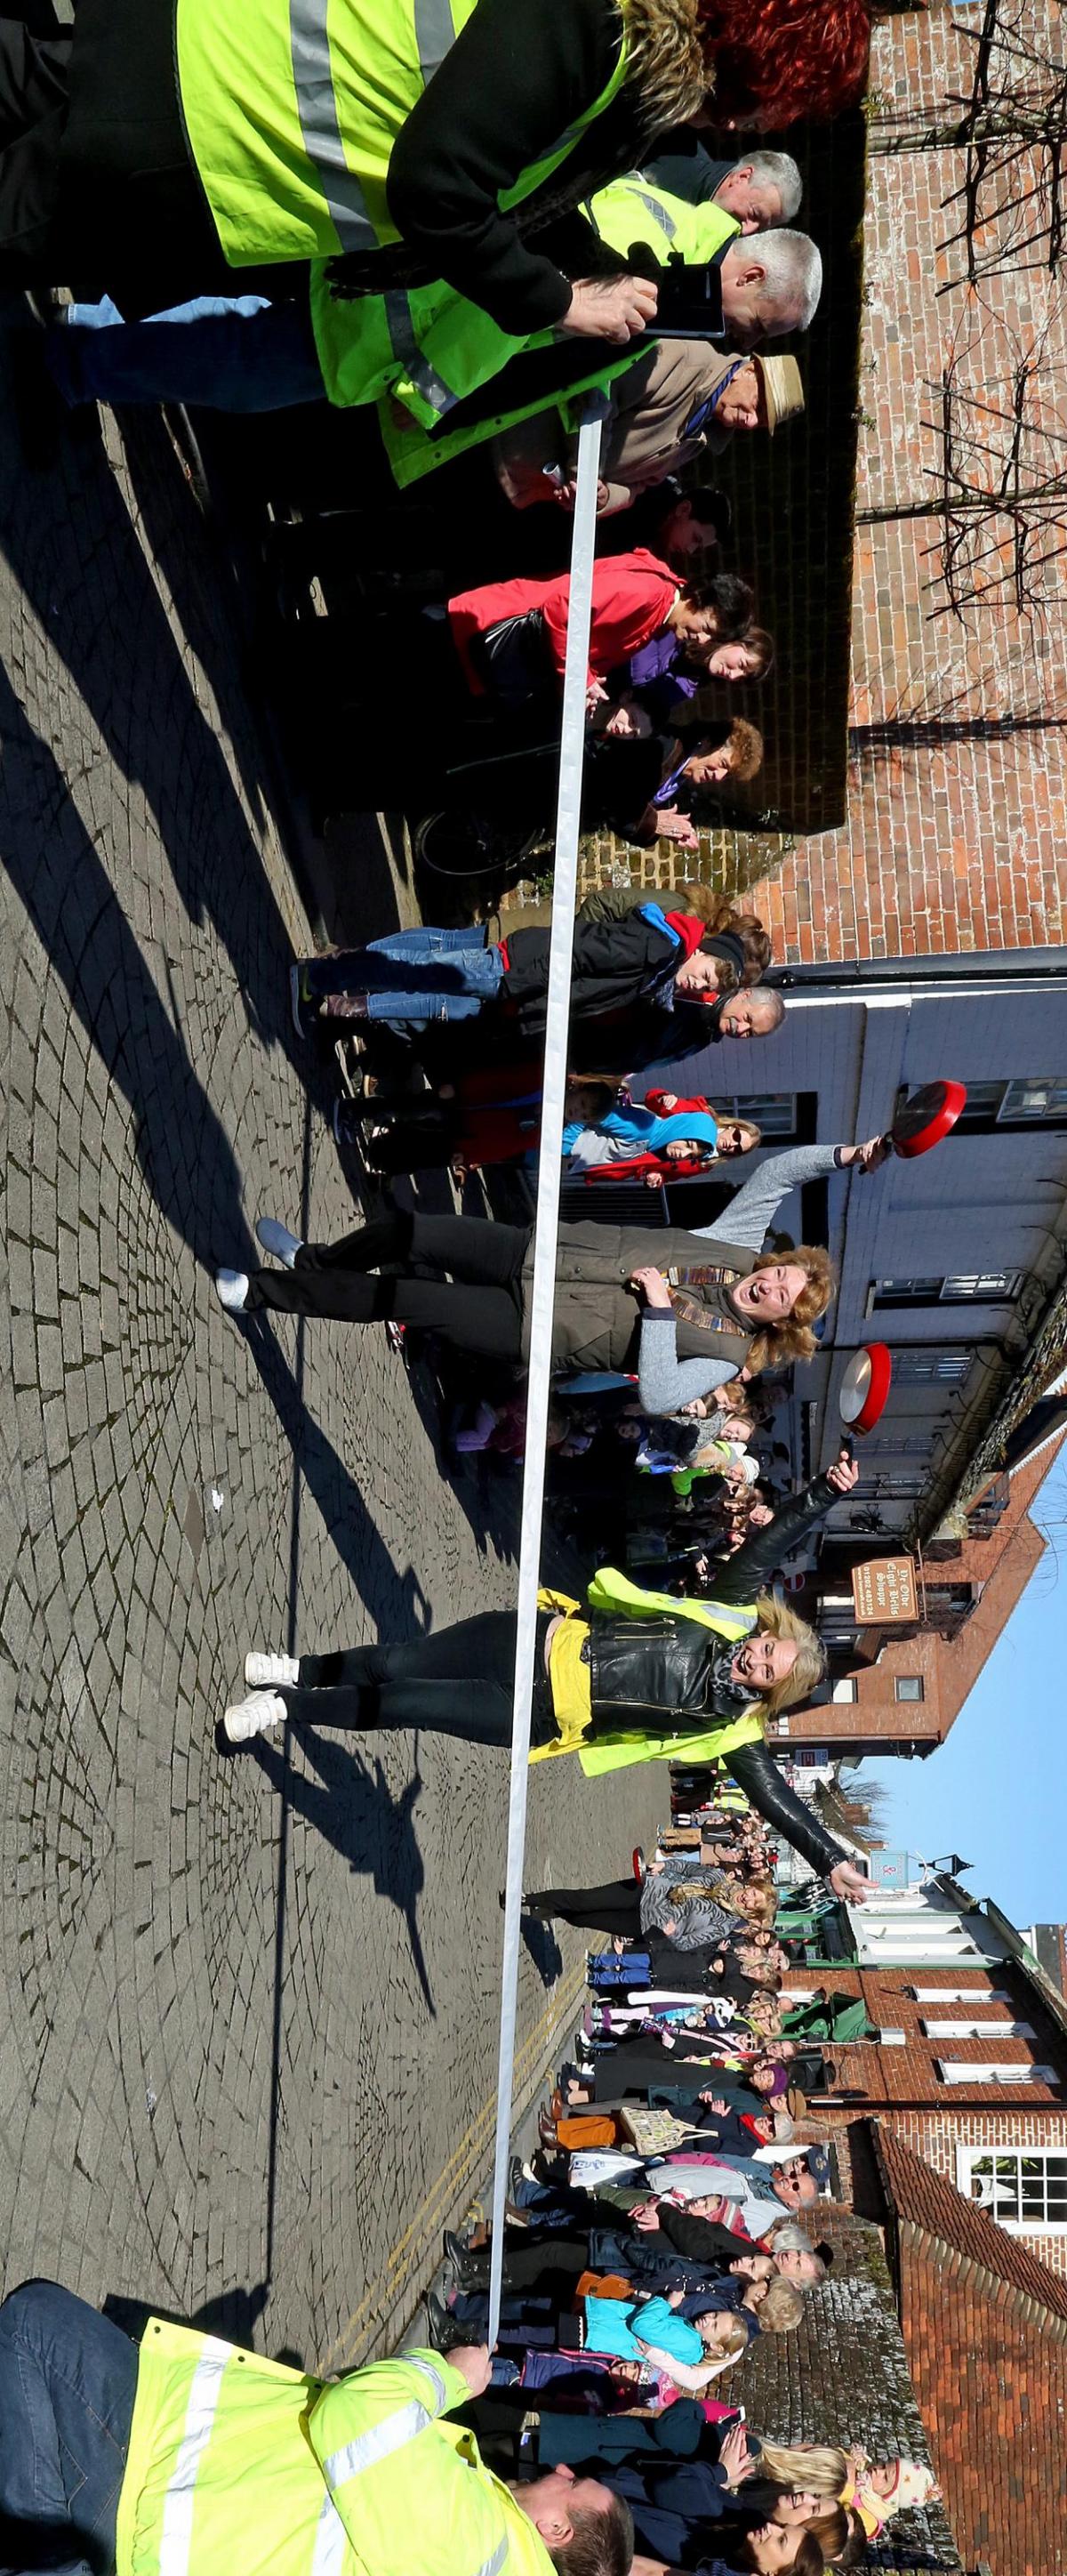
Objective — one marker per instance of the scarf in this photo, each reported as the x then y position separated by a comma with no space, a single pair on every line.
680,926
649,1133
730,1696
707,1315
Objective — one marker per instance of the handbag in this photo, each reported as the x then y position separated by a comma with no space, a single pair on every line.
654,2133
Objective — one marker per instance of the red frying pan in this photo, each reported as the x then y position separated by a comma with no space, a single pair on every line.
865,1388
926,1118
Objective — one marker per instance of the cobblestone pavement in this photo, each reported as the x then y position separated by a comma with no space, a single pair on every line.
247,2056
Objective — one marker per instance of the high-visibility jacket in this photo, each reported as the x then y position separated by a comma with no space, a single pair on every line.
240,2467
428,348
634,210
292,108
613,1593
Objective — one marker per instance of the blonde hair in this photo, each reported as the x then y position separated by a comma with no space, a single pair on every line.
810,1663
665,63
736,2341
821,2470
782,2309
792,1338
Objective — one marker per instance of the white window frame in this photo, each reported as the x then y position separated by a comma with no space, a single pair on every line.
909,1292
956,1995
977,2029
968,2157
954,2070
892,2038
1014,1108
756,1105
941,1367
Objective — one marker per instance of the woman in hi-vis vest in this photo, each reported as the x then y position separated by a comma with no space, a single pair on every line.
411,141
635,1677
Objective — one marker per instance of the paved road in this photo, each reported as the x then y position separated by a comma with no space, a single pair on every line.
246,2061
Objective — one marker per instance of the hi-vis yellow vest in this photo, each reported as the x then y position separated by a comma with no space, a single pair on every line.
633,210
614,1593
241,2467
292,108
419,352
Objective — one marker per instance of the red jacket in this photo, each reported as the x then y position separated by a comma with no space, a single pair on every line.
632,596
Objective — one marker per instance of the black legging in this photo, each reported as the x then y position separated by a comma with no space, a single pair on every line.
459,1682
615,1908
484,1313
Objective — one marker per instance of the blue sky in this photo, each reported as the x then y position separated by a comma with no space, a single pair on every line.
996,1792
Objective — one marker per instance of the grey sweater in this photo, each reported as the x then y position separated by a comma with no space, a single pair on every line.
664,1381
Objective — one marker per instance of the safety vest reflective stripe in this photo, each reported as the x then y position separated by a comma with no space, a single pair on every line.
492,2566
331,2541
654,206
379,2444
435,34
177,2523
320,125
390,2435
400,321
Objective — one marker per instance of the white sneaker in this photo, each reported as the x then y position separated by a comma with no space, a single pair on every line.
263,1671
231,1289
277,1239
255,1716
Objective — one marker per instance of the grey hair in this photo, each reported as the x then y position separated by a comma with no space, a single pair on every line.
777,170
793,279
787,2238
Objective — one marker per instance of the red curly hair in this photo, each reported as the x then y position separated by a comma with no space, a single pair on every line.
777,61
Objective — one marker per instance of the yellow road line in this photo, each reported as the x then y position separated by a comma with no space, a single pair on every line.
446,2186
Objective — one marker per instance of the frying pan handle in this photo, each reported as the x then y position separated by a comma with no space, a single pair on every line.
848,1445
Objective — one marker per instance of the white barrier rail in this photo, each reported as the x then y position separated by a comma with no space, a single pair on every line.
564,895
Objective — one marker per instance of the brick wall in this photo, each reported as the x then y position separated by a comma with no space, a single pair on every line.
901,2086
957,776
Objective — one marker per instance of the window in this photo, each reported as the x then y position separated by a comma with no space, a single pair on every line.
960,1288
908,1686
845,1691
812,1757
930,1368
956,1995
1023,2188
776,1112
891,2038
902,1448
953,2071
978,2030
1037,1098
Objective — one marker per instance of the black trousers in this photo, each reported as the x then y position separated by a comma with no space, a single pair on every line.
615,1908
33,111
479,1309
459,1682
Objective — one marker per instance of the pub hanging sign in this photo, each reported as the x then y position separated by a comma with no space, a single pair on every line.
883,1592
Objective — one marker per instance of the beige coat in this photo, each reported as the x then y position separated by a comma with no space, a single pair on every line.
643,440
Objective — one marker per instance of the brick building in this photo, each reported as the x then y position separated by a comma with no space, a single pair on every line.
985,2331
844,2376
907,1700
949,808
966,2061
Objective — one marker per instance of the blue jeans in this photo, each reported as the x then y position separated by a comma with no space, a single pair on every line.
227,354
451,975
68,2380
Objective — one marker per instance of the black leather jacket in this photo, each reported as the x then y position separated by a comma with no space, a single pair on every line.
660,1672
